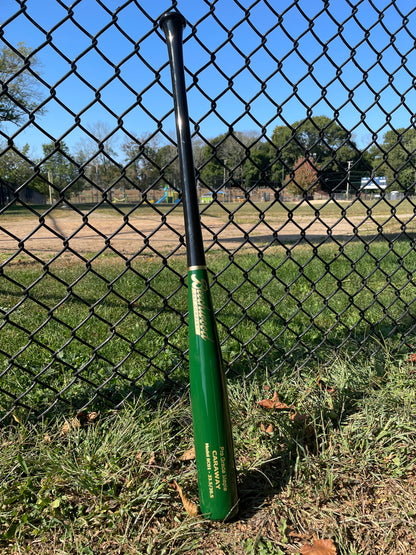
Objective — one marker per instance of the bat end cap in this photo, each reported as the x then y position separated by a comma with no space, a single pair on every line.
174,17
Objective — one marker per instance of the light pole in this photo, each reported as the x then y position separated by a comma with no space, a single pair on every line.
225,176
50,179
348,178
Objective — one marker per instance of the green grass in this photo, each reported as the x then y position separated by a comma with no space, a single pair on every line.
329,329
344,472
104,330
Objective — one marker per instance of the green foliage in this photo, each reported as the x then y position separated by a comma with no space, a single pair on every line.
318,135
396,158
149,164
213,170
233,159
328,144
258,169
14,165
23,95
59,170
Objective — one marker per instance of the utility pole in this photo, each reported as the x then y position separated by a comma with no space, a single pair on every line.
50,179
349,178
224,178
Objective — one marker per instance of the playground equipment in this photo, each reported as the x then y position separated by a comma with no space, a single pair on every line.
162,199
170,196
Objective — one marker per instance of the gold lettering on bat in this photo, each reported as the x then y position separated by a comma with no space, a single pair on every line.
199,289
210,480
216,470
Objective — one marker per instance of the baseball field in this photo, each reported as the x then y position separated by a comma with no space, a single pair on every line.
145,229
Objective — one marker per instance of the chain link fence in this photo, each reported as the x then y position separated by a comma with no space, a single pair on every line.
304,143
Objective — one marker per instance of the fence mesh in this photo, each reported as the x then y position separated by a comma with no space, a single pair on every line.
304,144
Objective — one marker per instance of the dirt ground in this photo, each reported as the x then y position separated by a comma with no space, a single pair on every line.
69,230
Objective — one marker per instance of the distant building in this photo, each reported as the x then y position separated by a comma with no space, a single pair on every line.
373,184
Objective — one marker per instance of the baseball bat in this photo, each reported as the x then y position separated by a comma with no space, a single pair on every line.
214,451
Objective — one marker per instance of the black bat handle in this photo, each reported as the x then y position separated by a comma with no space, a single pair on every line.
173,24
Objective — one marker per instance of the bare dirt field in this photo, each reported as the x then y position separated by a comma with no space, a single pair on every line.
146,231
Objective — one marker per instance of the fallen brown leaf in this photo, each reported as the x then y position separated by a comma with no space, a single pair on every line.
319,547
268,430
190,507
330,390
273,403
71,424
65,429
298,418
188,455
86,417
82,419
91,416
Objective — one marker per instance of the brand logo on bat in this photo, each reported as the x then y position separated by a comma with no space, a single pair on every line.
201,308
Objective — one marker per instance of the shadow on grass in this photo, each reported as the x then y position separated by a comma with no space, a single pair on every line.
335,393
256,486
305,238
33,394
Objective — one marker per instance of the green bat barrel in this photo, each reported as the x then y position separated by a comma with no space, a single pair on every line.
214,451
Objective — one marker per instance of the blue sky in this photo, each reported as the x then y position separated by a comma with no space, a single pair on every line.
63,37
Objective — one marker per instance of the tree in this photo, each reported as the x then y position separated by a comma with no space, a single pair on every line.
96,157
395,158
288,146
257,168
14,166
58,169
319,135
168,161
146,162
17,170
303,179
20,86
225,157
329,143
346,171
212,166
